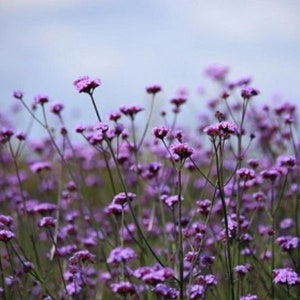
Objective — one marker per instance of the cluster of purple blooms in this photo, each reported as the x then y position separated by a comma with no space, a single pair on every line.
167,213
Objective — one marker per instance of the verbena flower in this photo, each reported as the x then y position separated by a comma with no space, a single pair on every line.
6,235
87,85
160,132
121,254
57,108
84,256
41,99
153,89
123,288
287,243
197,291
223,129
18,95
47,222
182,150
166,291
286,276
248,92
249,297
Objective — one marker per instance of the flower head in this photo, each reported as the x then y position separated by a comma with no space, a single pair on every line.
286,276
87,85
6,235
160,132
153,89
183,150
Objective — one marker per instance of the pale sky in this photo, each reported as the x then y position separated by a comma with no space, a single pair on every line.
46,44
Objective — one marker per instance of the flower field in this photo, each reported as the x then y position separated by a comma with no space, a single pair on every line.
136,211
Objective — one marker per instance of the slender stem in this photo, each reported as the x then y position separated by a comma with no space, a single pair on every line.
147,124
180,238
95,107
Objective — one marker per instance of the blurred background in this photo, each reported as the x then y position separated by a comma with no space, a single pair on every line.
46,45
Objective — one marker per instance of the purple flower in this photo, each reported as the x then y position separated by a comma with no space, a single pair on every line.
178,101
197,291
287,223
41,99
242,269
160,132
248,92
287,243
5,135
5,221
153,89
43,208
82,256
171,200
47,222
183,150
115,116
87,85
57,108
6,235
123,287
37,167
166,291
271,174
123,197
80,128
223,129
286,276
153,274
18,95
249,297
121,254
246,174
131,111
286,161
217,72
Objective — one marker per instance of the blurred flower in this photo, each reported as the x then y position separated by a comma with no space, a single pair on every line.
87,85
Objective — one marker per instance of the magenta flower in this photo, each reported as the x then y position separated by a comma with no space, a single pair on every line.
5,221
121,254
183,150
216,72
47,222
197,291
223,129
153,89
41,99
287,243
246,174
131,111
18,95
166,291
6,235
87,85
40,166
249,297
82,256
160,132
57,108
248,92
286,276
123,287
122,198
